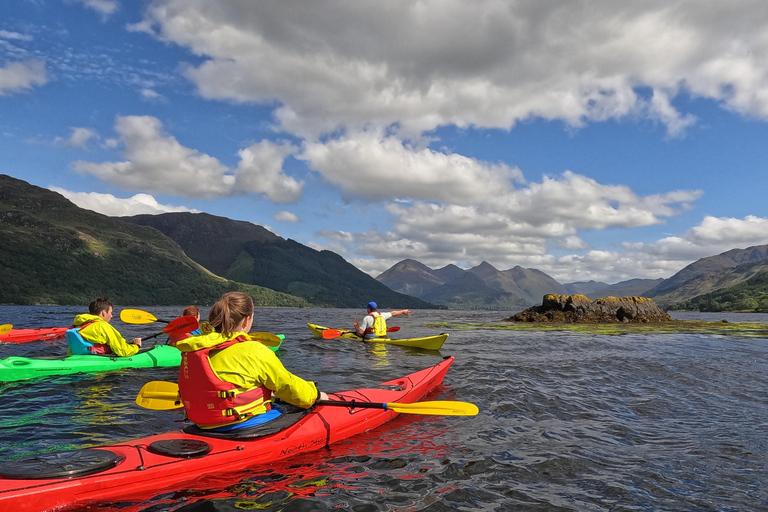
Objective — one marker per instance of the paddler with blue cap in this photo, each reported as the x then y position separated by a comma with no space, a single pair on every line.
374,324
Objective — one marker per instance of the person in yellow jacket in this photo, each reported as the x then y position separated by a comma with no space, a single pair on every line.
228,381
95,328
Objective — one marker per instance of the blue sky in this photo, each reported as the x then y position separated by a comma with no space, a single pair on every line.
589,140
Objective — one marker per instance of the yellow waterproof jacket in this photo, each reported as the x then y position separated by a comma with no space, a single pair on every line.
101,332
249,365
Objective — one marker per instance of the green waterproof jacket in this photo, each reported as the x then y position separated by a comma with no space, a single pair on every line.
101,332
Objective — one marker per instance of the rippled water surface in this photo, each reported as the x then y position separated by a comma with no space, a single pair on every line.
567,421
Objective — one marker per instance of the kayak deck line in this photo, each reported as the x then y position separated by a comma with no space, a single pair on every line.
434,342
151,473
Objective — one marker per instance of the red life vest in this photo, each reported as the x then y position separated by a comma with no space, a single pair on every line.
210,401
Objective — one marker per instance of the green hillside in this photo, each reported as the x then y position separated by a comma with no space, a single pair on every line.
751,295
248,253
53,252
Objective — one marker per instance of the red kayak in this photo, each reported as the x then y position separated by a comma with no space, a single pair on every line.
150,466
25,335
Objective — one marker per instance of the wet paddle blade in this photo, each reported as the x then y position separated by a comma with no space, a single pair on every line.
441,408
136,316
446,408
5,328
268,339
159,396
179,326
332,333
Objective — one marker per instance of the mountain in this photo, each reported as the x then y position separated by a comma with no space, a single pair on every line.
469,291
630,288
710,274
749,296
56,253
411,277
482,286
584,287
247,253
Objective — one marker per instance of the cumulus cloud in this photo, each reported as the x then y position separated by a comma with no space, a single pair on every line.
487,63
77,139
157,162
17,76
107,204
369,165
286,217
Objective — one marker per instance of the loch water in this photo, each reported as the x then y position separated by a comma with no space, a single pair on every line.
567,422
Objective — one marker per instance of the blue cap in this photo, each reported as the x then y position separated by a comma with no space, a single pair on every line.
372,305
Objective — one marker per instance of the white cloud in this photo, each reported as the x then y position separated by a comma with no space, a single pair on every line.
16,76
107,204
487,63
367,165
149,94
286,217
104,7
157,162
78,138
5,34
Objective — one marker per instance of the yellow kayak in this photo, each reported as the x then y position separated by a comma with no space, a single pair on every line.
428,342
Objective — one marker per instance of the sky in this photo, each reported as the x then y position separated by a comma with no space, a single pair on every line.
591,140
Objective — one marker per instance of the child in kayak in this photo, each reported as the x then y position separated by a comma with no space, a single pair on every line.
176,337
96,329
375,324
227,381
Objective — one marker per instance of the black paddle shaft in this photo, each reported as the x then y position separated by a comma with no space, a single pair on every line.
353,404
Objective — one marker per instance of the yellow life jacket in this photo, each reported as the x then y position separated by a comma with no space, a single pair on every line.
379,327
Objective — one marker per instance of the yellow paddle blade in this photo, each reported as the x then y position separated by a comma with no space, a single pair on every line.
136,316
159,396
268,339
5,328
443,408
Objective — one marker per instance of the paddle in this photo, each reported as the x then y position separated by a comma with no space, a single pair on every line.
5,328
178,326
137,316
270,340
335,333
164,396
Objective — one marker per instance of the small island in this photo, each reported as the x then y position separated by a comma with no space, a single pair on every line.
580,309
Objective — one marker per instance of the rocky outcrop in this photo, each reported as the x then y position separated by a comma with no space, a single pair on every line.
579,309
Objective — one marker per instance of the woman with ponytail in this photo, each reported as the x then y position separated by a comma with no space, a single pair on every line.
227,381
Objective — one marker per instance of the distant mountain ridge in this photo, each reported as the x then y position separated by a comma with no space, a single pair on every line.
248,253
596,290
482,286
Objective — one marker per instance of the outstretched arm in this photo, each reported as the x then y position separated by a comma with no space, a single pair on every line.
406,312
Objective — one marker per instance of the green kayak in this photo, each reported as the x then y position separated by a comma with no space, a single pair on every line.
21,368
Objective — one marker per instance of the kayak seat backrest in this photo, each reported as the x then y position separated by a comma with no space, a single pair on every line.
77,344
